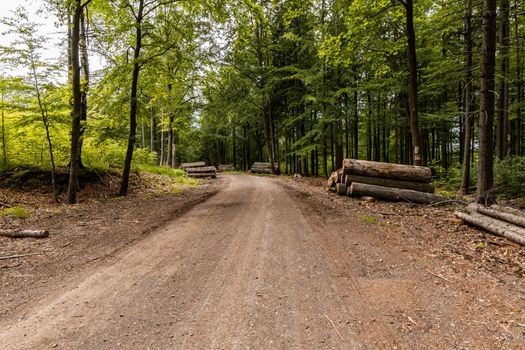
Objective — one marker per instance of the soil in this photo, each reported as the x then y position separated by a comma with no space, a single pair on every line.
264,263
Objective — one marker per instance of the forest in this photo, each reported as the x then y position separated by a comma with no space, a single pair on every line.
301,84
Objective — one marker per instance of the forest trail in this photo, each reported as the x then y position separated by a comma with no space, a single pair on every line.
254,267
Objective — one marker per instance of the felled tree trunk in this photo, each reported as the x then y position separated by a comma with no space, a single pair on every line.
408,185
496,213
508,210
341,190
495,226
387,170
25,234
393,194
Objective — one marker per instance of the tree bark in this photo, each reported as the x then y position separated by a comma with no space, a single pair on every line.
25,234
417,145
497,227
133,102
408,185
486,112
393,194
465,171
503,88
493,212
76,113
84,87
387,170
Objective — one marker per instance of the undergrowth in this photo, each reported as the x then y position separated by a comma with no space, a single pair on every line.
17,212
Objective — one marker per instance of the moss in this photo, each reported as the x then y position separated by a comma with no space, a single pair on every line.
369,219
17,212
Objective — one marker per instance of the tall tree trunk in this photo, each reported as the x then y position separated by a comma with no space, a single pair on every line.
519,122
486,111
4,141
413,88
465,173
503,88
325,153
133,102
234,147
153,134
76,113
45,120
84,61
356,125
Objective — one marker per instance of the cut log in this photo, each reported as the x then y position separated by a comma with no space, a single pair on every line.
226,167
261,171
340,188
263,168
387,170
496,214
202,175
332,180
25,234
206,169
393,194
192,165
495,226
378,181
508,210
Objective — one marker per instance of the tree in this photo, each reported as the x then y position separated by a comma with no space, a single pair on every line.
27,52
412,65
486,110
79,105
465,173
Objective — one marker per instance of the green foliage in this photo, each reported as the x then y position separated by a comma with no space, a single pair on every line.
510,176
171,172
17,212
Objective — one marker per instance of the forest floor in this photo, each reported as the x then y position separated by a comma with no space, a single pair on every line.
262,263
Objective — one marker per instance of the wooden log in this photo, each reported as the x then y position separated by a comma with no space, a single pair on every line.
332,180
226,167
202,175
509,210
261,171
495,226
393,194
25,233
378,181
496,214
192,165
340,188
207,169
387,170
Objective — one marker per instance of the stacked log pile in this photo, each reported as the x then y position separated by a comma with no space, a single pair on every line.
502,221
185,166
385,181
227,167
262,168
202,172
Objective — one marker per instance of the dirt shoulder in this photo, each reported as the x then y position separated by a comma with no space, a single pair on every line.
434,280
83,235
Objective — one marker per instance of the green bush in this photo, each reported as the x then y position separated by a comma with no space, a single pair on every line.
509,177
17,212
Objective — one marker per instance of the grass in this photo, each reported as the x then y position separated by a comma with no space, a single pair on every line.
369,219
171,172
17,212
178,177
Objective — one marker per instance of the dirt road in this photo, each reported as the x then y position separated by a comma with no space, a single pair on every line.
255,267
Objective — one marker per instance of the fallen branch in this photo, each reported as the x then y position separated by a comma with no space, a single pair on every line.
332,322
17,256
25,234
443,278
